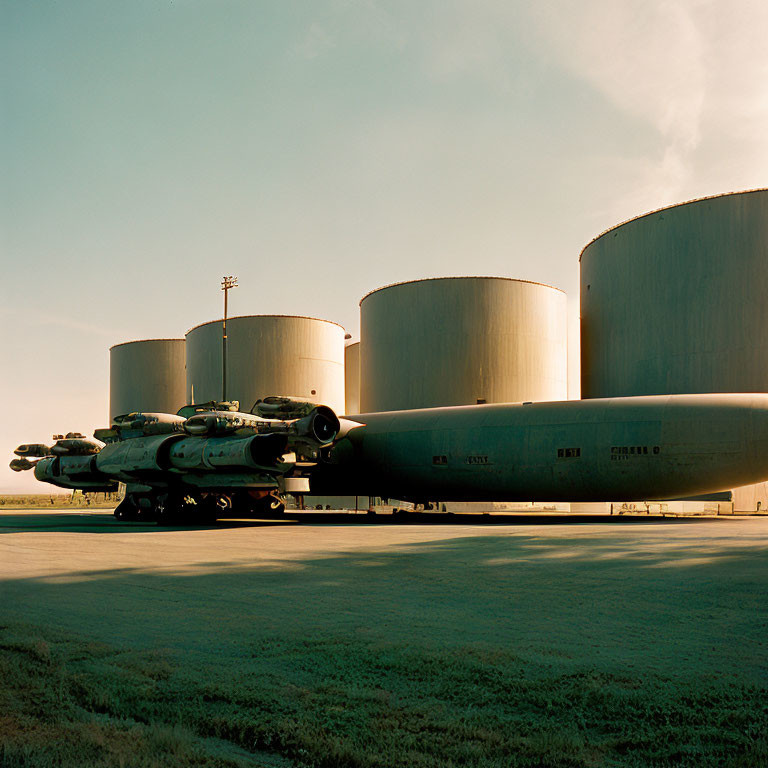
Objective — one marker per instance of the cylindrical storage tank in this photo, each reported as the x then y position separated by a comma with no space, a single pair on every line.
462,341
675,301
299,357
352,378
146,376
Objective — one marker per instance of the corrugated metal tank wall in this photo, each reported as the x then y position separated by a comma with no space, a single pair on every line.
460,341
352,378
146,376
675,301
299,357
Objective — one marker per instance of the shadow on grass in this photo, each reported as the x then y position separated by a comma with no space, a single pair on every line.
105,522
15,521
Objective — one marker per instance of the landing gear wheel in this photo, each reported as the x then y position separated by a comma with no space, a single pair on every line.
263,503
127,510
208,509
167,509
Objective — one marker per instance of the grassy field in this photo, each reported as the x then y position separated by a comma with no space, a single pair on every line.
68,701
614,644
57,501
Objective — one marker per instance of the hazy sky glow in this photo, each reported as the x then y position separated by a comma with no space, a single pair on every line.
319,150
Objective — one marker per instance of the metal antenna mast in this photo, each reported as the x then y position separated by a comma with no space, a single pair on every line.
227,282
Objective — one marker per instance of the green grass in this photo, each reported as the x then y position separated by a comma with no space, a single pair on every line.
58,705
344,701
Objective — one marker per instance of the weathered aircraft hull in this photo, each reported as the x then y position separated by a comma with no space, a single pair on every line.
615,449
174,460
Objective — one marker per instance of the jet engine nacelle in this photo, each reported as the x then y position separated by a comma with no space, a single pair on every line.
148,423
147,457
215,423
74,444
284,408
74,472
211,453
33,450
322,425
22,464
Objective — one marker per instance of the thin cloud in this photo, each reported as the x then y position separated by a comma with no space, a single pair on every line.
316,42
695,71
38,319
649,60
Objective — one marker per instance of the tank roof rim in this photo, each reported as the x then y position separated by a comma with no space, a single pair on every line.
667,208
239,317
460,277
142,341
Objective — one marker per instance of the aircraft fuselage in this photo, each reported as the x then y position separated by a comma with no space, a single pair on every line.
657,447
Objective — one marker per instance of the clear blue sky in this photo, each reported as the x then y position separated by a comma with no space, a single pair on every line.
322,149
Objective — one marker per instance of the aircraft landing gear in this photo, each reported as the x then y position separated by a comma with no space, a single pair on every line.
167,509
189,509
276,504
135,508
127,510
216,505
266,504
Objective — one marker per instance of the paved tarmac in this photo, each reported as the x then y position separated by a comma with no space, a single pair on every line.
669,596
